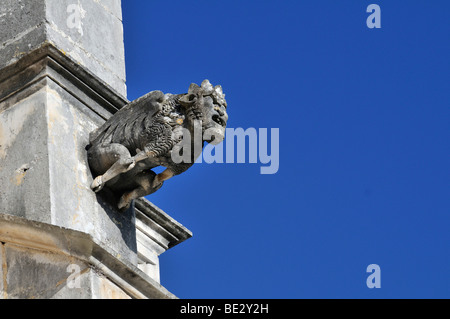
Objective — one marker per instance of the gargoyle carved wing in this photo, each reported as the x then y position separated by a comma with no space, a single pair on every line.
129,119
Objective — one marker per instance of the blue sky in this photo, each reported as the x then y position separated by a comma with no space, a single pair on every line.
364,145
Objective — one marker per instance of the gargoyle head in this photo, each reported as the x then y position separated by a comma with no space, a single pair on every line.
208,104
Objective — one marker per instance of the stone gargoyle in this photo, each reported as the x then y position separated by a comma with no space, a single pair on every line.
143,135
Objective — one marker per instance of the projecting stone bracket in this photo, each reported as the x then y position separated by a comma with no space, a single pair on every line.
48,61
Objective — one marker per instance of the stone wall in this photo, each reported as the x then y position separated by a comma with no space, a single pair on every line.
89,31
59,239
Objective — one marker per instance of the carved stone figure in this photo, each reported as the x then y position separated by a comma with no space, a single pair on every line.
143,135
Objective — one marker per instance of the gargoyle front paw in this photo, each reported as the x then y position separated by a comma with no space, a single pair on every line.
98,184
131,164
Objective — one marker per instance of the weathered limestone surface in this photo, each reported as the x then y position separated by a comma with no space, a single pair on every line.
47,108
43,261
51,267
89,31
43,159
57,84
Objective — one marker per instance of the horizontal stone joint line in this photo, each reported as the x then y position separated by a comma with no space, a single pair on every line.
41,293
22,34
107,10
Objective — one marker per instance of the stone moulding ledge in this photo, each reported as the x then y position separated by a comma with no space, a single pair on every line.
173,231
45,237
37,64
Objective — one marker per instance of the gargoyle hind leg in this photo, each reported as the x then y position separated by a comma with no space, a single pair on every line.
145,181
115,159
148,183
162,177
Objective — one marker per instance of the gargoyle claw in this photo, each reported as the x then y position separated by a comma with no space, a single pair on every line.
98,184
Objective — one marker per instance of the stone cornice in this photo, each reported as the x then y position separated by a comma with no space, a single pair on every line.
49,61
50,238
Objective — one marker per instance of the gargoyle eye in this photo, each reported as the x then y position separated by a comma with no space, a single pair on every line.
217,119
